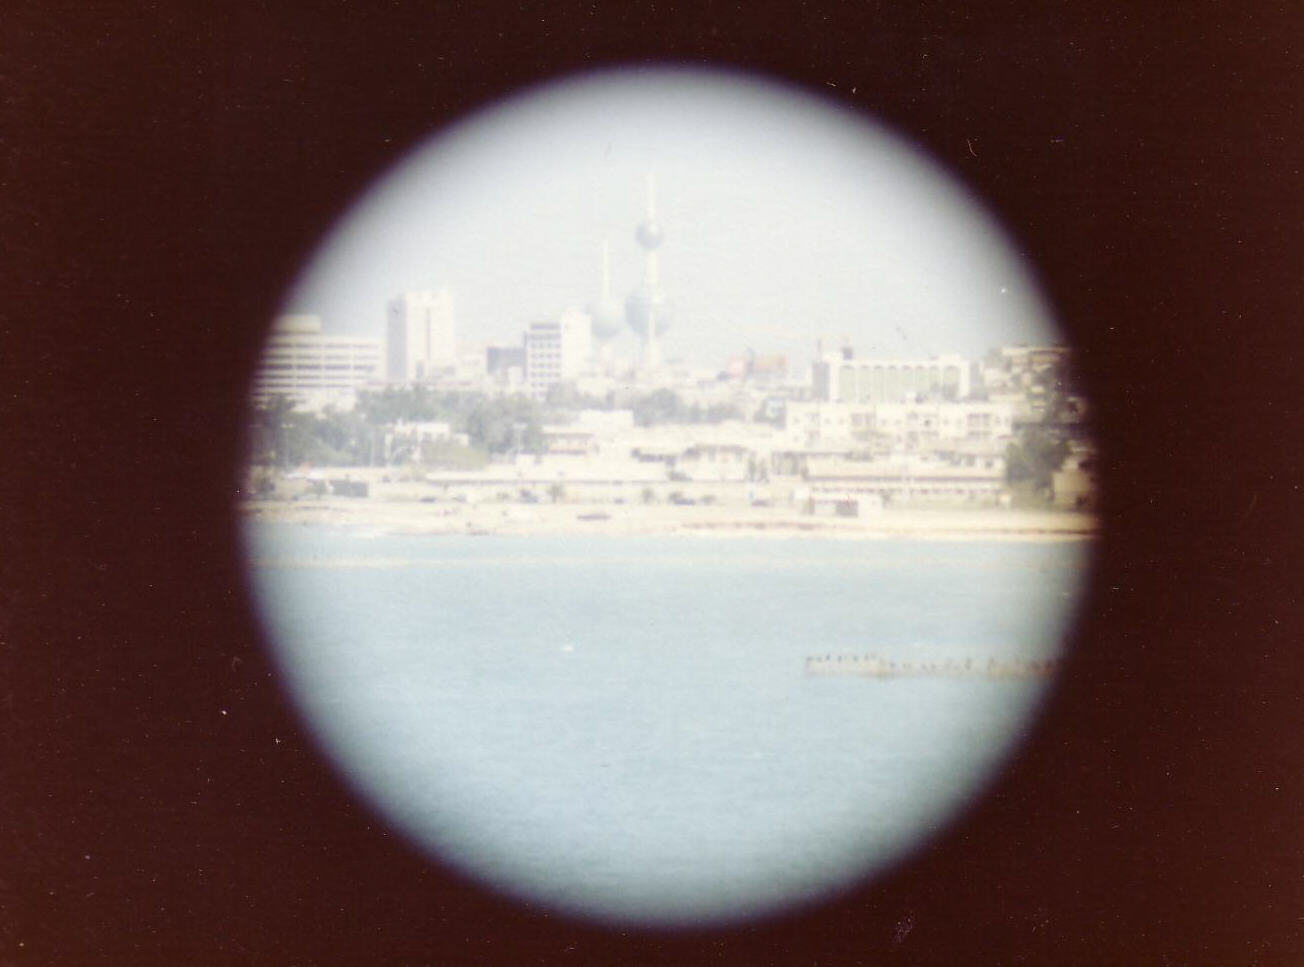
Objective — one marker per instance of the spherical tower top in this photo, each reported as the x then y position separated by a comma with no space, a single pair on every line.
649,234
647,310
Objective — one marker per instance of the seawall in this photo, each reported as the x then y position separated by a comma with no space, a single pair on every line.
873,666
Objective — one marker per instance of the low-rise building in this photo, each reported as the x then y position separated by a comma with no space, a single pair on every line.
901,426
715,462
842,378
910,478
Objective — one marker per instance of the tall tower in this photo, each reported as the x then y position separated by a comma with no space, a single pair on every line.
647,311
605,312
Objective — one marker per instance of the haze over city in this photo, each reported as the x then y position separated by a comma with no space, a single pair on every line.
786,220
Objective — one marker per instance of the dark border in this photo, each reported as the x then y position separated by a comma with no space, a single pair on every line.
172,167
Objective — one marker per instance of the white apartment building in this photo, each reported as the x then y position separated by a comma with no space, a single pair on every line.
902,426
421,339
301,362
841,378
908,477
557,350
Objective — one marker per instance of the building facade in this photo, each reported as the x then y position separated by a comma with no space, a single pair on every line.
909,479
557,351
421,338
974,426
302,363
841,378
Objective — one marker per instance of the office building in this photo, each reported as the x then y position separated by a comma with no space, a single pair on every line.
300,362
557,350
421,340
841,378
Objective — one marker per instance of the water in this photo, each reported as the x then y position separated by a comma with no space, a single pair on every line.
621,727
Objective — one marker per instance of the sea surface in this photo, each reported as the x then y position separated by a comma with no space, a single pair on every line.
621,727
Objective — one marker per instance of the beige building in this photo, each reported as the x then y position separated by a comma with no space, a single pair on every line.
841,378
299,361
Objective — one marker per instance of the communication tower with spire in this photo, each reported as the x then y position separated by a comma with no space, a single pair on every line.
605,311
647,310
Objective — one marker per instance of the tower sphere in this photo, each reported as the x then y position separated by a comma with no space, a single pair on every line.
647,306
649,234
606,317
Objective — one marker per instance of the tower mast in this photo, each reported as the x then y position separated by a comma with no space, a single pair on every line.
647,310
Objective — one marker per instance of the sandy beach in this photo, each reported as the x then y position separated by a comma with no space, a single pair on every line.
451,517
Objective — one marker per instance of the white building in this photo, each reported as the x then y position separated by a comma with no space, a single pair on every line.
911,478
593,432
302,363
903,426
557,350
421,337
841,378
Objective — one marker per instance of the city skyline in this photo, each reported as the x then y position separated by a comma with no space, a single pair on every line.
786,220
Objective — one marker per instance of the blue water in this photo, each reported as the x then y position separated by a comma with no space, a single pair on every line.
622,727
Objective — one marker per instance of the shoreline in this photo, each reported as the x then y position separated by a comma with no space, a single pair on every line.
446,518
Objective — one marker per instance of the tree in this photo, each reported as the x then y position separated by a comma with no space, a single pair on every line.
659,406
1039,451
665,406
267,432
504,424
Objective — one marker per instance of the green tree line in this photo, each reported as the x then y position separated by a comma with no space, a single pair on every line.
1042,447
281,436
650,409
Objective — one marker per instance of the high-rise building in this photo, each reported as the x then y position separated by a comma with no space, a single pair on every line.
302,363
421,338
557,350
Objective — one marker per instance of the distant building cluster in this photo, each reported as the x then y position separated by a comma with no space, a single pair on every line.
851,430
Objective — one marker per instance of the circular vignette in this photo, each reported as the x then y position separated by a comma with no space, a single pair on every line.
673,758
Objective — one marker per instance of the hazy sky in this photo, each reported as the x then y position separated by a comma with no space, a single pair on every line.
786,218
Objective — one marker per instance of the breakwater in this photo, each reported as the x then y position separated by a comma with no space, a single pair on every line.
874,666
